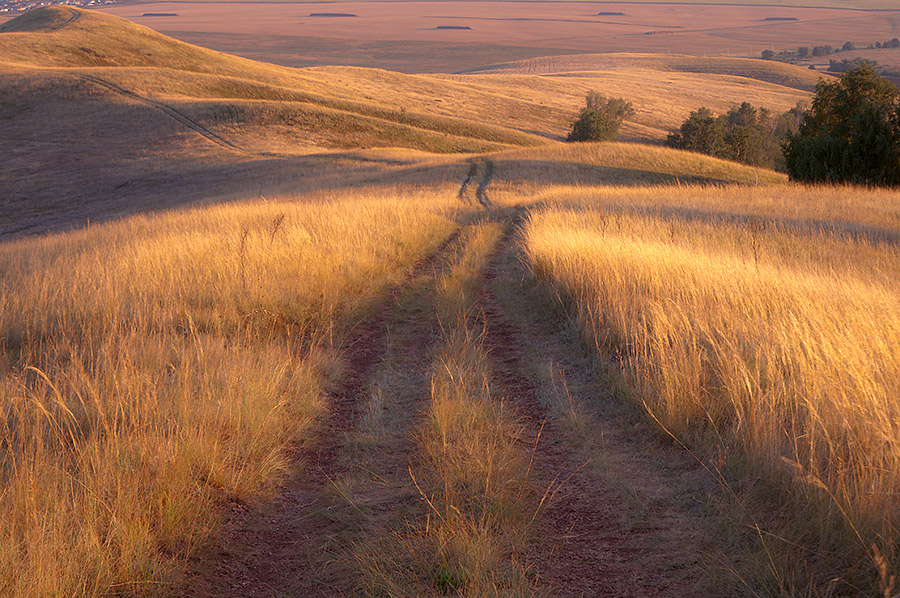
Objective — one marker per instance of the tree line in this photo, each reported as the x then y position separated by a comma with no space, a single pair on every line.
850,133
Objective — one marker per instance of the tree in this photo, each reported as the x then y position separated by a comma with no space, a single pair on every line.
768,55
850,134
848,46
700,132
894,43
840,66
745,134
803,51
600,119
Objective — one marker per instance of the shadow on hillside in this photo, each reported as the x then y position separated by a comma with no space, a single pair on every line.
59,199
852,231
550,172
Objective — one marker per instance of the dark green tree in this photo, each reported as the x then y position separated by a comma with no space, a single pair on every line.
600,119
850,134
701,132
768,55
745,134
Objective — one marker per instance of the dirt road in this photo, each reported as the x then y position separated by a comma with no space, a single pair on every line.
620,512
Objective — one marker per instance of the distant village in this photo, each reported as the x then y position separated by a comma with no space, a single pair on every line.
7,6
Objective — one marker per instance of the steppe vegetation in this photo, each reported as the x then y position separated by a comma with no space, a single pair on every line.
759,327
157,366
592,368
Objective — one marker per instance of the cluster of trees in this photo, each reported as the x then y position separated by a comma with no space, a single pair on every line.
745,134
839,66
894,43
818,51
850,134
600,119
804,52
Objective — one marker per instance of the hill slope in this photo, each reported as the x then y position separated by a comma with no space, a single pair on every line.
102,116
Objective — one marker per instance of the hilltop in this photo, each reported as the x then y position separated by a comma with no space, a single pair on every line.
106,116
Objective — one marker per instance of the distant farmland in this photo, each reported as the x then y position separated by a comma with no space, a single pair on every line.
416,36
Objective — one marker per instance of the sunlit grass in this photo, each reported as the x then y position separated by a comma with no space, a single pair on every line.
155,367
774,342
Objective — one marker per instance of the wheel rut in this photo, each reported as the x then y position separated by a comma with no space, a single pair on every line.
481,194
620,514
594,537
299,543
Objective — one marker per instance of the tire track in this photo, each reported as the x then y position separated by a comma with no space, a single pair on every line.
75,15
593,540
293,545
168,110
463,194
481,194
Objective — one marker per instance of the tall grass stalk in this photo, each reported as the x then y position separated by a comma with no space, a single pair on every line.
155,367
777,348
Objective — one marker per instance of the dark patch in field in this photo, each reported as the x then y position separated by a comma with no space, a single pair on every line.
332,14
160,14
453,27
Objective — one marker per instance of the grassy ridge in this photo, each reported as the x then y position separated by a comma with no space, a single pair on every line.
769,343
153,66
778,73
500,106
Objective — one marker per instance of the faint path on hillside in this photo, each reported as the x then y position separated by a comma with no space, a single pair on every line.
626,519
168,110
481,194
352,480
74,15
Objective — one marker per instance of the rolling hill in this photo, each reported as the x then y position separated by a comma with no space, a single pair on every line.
385,334
104,116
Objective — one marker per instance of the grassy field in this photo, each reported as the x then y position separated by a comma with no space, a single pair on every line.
118,119
404,36
758,325
406,342
159,366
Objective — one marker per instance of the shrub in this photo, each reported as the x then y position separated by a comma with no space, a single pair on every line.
851,133
600,119
768,55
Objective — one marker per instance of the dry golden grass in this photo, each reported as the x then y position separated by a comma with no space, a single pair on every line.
302,109
158,366
555,172
762,325
470,471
